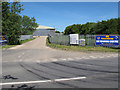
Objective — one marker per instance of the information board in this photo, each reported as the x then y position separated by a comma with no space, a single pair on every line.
82,42
74,39
107,40
3,40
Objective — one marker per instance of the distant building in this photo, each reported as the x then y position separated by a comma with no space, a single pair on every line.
44,31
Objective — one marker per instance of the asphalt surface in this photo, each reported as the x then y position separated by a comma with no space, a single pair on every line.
34,65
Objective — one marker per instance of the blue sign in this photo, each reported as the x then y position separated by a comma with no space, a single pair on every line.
3,40
107,40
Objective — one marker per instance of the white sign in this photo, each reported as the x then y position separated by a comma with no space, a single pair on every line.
74,39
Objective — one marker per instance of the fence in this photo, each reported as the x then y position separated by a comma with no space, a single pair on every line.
65,39
60,39
24,37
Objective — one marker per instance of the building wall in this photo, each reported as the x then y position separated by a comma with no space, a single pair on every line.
43,32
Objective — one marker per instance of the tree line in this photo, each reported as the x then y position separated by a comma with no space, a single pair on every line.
13,24
111,26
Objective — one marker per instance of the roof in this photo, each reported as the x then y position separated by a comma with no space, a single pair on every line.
44,27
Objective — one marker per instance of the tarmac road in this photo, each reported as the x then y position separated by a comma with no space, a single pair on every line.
34,65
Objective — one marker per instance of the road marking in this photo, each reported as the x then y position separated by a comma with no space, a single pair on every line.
27,82
85,58
101,57
19,56
63,59
23,53
68,79
78,58
43,81
70,59
54,59
108,56
93,57
20,60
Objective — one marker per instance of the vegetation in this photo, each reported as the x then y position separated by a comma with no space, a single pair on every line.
14,25
81,48
57,31
111,26
28,25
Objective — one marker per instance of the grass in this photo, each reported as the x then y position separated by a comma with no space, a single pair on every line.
81,48
23,41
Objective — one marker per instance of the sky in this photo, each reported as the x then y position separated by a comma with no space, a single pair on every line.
62,14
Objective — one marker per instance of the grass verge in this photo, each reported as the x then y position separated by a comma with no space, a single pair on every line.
23,41
81,48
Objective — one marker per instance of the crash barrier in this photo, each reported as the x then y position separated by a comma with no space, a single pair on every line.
24,37
87,40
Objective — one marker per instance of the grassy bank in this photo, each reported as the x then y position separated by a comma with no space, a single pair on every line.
81,48
23,41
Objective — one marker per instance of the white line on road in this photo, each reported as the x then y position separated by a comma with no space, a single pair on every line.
93,57
70,59
63,59
68,79
19,56
43,81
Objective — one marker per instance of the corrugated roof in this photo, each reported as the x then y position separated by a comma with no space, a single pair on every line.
44,27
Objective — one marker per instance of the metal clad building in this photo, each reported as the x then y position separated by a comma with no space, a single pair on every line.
44,31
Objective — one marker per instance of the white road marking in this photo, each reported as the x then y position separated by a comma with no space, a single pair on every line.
27,82
63,59
108,56
93,57
85,58
54,59
78,58
101,57
19,56
38,61
23,53
68,79
70,59
20,60
43,81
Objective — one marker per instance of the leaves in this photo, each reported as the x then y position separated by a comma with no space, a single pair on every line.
105,27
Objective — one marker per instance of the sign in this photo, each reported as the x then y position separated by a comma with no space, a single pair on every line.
3,40
82,42
107,40
74,39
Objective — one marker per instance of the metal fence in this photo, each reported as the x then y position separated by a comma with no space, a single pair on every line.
60,39
89,39
65,39
24,37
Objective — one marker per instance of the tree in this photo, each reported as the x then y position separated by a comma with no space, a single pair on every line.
111,26
11,22
57,32
28,25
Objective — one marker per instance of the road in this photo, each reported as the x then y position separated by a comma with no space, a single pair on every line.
34,65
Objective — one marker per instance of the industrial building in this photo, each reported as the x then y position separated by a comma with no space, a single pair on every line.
44,31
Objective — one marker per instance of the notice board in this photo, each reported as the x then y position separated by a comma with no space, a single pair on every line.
107,40
74,38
